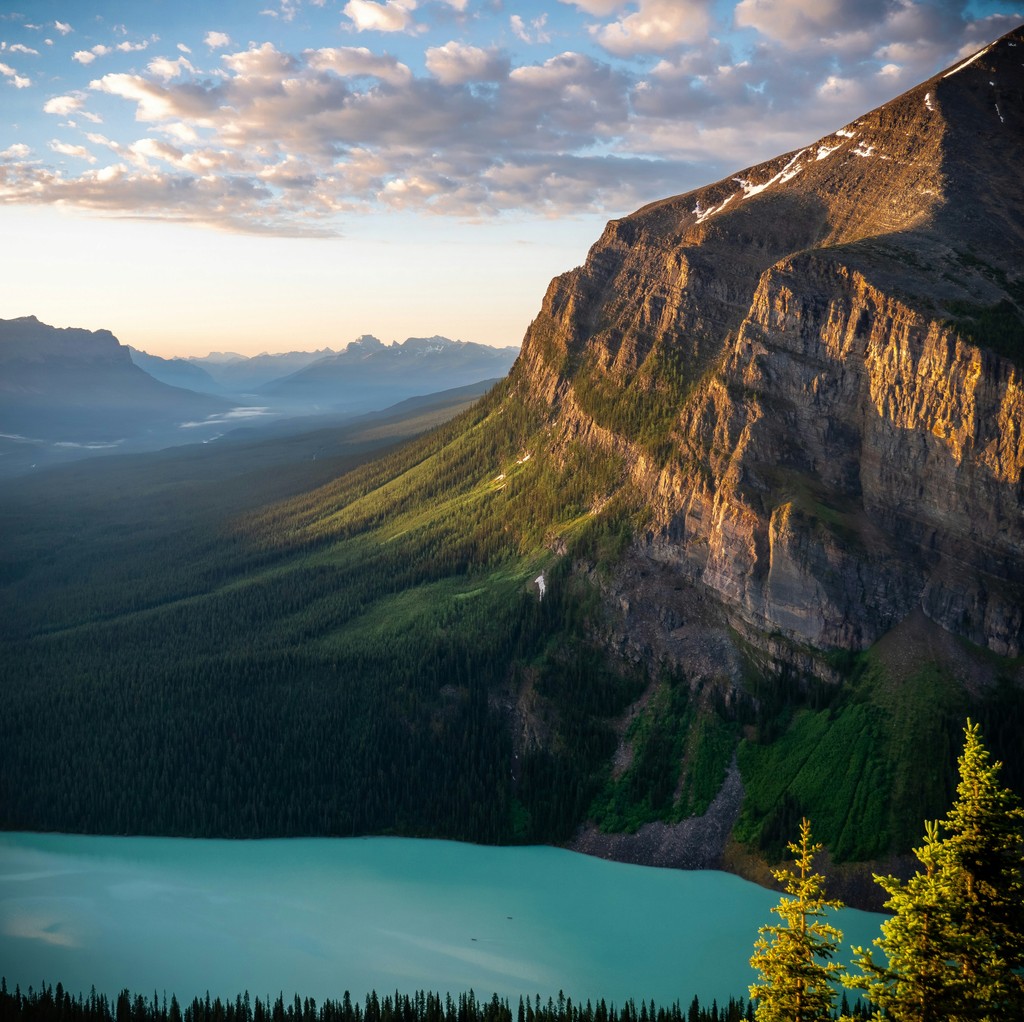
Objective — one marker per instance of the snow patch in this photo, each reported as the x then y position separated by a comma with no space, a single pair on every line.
542,586
843,133
928,102
863,149
824,150
969,60
703,214
789,171
1002,120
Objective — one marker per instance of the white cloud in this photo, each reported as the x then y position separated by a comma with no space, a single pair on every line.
217,40
390,16
13,78
156,102
656,26
535,32
63,27
358,61
265,61
166,69
64,105
78,151
455,63
83,56
127,47
18,151
21,48
182,48
597,8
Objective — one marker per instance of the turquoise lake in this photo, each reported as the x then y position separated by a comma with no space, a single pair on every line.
321,916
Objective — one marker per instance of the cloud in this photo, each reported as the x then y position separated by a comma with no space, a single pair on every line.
264,61
217,40
166,69
597,8
13,78
357,62
796,23
88,56
535,33
18,151
656,26
64,105
21,48
389,16
288,142
65,149
455,63
63,27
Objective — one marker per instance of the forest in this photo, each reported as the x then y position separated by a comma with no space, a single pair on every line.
49,1004
250,641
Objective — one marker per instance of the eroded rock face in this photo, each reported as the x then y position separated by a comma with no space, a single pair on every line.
841,331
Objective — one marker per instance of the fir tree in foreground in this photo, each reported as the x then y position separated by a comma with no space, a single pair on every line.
794,957
955,942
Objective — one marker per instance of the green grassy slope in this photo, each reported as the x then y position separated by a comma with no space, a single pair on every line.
344,660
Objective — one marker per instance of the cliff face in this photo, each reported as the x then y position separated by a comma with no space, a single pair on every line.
834,343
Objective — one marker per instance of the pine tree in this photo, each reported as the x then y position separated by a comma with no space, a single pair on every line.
919,941
794,957
986,846
955,942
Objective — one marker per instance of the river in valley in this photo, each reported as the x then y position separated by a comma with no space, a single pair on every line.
321,916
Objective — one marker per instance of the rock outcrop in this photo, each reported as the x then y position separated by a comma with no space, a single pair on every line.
834,343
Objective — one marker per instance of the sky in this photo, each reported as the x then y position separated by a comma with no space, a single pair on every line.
275,175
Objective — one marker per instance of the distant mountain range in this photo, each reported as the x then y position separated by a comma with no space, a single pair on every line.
369,372
67,393
70,393
355,379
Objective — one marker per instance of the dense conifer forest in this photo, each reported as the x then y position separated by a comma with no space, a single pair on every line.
49,1004
250,641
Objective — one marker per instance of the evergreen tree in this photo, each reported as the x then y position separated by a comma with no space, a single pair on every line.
955,943
920,942
794,957
985,827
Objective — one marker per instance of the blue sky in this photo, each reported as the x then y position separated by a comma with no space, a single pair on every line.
283,174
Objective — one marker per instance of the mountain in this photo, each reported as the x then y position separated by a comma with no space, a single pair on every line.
244,374
813,373
739,539
368,372
67,392
176,372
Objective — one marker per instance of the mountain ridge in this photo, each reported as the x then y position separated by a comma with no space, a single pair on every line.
732,275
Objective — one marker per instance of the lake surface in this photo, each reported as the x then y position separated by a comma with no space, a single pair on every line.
321,916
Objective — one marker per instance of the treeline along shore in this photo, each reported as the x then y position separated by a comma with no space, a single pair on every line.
55,1004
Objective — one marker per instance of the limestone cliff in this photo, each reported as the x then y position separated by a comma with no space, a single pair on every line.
830,346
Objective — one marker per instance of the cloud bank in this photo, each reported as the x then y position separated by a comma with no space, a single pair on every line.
653,98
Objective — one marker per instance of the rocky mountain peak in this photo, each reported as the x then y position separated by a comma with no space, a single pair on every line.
813,371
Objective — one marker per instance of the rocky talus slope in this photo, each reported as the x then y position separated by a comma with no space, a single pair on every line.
835,342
